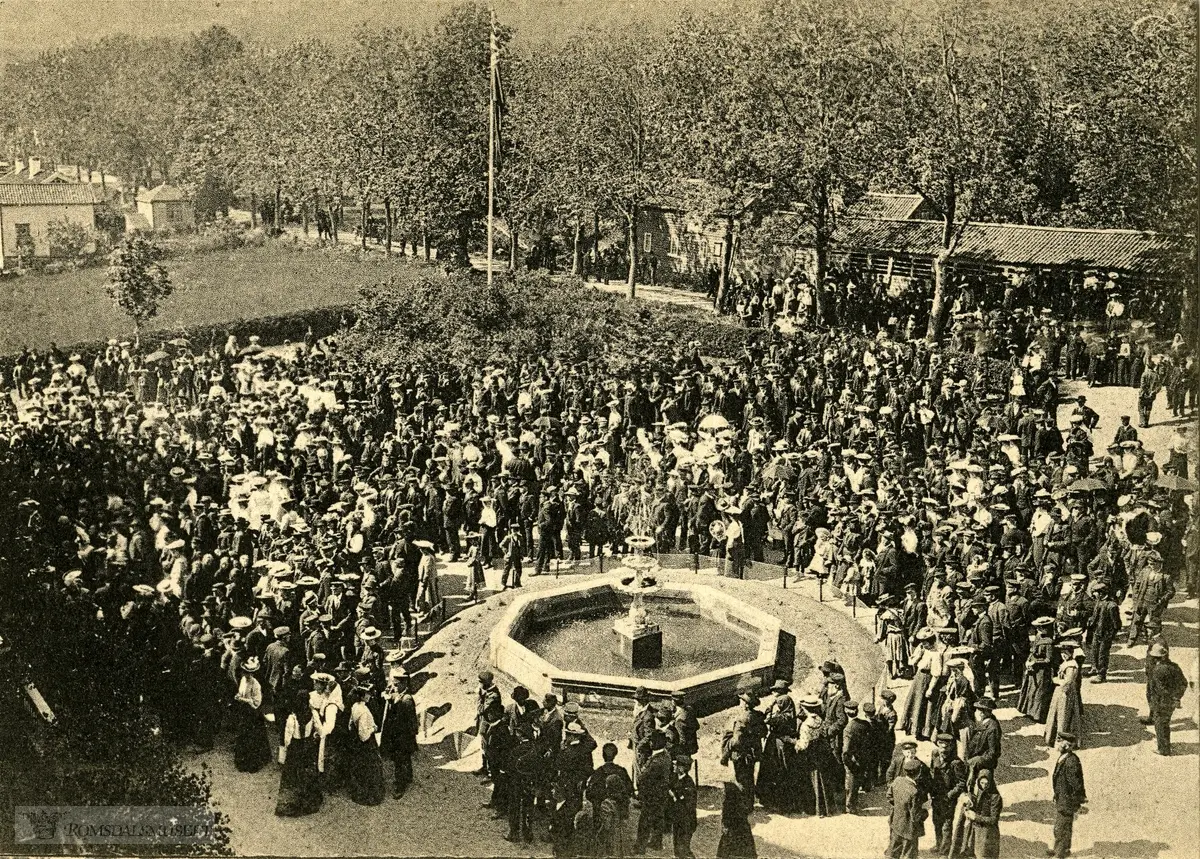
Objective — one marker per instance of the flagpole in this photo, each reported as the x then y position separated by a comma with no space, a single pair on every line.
491,146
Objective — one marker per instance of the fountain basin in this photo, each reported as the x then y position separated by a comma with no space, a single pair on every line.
714,645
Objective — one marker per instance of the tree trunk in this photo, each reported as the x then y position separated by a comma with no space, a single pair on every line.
937,312
514,250
253,209
425,242
103,181
596,241
276,218
631,279
726,266
335,219
304,217
364,220
462,244
387,226
577,252
821,252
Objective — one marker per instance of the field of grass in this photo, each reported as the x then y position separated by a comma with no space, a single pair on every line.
222,286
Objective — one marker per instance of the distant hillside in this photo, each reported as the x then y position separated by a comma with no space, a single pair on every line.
30,26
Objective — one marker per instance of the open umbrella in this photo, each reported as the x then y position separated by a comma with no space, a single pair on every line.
714,422
1175,483
779,470
179,341
156,356
1086,484
252,349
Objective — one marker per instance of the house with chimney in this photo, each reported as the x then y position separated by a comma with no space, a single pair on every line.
32,197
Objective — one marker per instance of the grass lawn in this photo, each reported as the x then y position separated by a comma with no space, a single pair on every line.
221,286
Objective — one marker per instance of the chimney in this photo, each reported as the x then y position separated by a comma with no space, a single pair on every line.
35,167
18,165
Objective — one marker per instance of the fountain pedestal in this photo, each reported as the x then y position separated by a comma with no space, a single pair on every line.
639,641
638,646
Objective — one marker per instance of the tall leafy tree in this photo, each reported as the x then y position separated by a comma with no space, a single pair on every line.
956,121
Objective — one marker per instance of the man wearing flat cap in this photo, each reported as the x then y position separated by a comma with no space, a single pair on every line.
907,818
1069,794
741,745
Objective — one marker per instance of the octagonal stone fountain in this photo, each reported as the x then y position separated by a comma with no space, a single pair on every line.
596,640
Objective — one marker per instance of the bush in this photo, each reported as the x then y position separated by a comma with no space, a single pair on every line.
425,316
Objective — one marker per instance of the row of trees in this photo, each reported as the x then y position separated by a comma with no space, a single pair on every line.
772,121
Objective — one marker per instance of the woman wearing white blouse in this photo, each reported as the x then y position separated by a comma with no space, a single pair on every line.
299,783
252,746
365,770
325,702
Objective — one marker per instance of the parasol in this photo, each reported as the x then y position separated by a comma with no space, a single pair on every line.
252,349
1086,484
779,470
179,341
714,422
156,356
1175,483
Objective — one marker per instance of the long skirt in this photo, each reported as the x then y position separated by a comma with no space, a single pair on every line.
818,794
737,840
775,787
364,776
962,832
915,717
299,784
1036,691
251,745
1066,713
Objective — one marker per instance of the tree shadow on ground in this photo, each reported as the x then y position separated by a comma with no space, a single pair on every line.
1183,613
1011,845
1036,810
1137,849
1111,726
421,660
1020,755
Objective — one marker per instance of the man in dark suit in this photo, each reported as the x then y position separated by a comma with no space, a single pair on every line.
1069,794
1165,686
683,808
654,793
398,730
907,814
983,739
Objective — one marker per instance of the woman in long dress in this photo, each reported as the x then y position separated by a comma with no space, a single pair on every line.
926,662
958,702
892,636
1036,688
325,703
1066,706
252,745
365,769
812,764
428,592
737,840
299,785
976,827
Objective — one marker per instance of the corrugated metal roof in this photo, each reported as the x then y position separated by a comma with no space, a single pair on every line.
54,194
1010,244
891,206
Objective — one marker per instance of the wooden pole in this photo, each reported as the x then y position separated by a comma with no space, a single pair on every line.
491,148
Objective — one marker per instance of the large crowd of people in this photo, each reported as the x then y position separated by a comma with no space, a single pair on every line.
254,524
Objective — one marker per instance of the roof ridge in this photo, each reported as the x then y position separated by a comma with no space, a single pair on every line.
1108,230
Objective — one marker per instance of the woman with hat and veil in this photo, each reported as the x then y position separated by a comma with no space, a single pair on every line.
252,746
299,784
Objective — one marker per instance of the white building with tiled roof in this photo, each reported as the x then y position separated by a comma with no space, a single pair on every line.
28,208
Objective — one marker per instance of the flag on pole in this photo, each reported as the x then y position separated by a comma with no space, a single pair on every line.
499,109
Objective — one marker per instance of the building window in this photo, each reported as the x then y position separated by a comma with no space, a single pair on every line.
24,235
648,243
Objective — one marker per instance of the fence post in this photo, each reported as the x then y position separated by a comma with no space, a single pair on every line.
696,563
820,588
854,603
